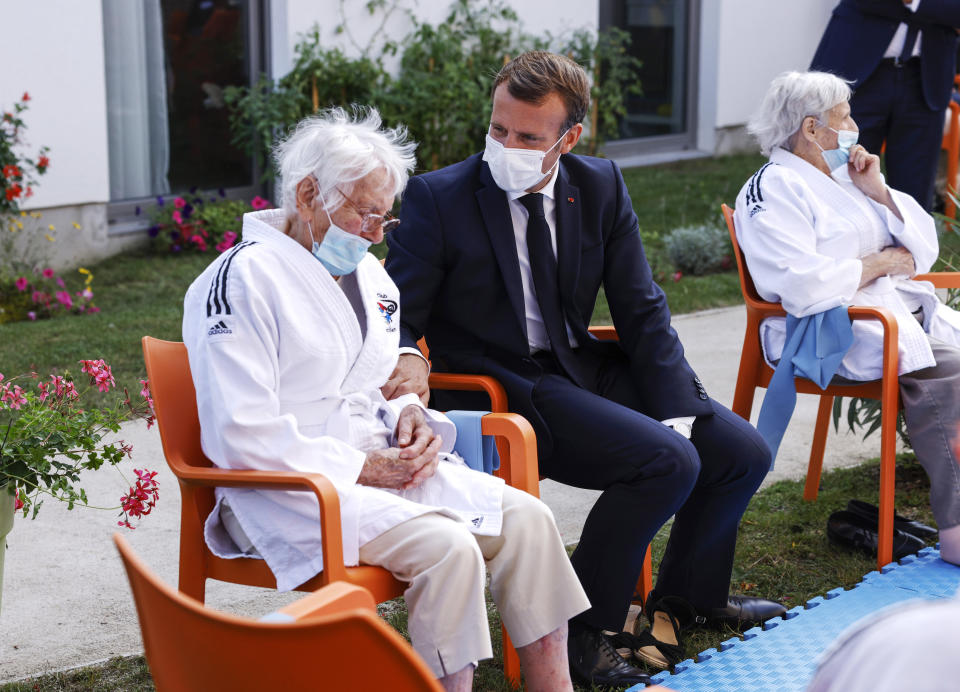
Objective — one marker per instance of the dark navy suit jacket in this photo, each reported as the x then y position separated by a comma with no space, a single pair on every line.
860,31
454,259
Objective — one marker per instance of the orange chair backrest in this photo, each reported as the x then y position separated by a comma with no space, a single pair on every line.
175,402
746,282
193,648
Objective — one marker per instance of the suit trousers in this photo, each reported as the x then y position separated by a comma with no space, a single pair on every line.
531,580
648,472
890,107
931,409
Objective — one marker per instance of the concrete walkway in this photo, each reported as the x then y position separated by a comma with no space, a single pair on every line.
66,601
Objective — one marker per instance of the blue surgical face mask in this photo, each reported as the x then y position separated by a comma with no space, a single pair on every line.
839,156
341,251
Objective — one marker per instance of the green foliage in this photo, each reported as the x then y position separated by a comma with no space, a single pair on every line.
17,172
699,249
49,434
442,89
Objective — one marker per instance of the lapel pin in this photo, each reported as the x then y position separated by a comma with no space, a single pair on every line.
570,199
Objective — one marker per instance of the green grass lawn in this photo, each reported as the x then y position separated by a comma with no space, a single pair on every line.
782,553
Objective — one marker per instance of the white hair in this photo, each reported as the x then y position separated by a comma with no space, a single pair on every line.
338,150
793,96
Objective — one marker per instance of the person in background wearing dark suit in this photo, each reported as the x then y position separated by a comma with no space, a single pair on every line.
900,56
499,262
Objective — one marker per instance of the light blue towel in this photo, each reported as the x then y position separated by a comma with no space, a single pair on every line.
478,451
814,347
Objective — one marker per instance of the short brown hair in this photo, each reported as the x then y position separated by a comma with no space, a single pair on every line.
534,75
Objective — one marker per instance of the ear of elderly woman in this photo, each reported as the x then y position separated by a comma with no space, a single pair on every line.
819,230
291,334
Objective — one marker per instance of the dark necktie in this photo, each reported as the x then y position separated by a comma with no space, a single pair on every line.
543,267
908,44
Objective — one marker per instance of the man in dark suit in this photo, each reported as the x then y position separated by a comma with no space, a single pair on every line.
499,261
901,57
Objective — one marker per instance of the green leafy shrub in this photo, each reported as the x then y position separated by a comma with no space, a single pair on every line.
698,250
442,89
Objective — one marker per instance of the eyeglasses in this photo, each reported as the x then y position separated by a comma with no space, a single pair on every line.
370,222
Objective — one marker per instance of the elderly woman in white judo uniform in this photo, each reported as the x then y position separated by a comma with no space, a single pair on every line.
290,335
820,228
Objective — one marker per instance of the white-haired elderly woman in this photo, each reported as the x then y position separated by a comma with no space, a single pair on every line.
291,334
820,228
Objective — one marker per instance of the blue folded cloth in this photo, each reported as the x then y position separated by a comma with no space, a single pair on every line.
478,451
814,347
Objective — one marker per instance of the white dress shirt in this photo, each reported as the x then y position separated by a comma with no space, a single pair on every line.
896,43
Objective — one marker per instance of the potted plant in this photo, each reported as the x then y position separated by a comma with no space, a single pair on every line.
51,431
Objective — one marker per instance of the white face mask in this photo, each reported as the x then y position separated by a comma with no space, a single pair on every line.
516,170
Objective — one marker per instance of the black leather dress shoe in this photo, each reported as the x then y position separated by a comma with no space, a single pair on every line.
872,514
594,661
850,530
743,612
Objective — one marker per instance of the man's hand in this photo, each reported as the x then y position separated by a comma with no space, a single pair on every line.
410,375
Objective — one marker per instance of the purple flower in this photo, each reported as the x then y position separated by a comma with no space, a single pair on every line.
193,190
32,315
221,192
137,211
187,210
175,247
159,201
153,231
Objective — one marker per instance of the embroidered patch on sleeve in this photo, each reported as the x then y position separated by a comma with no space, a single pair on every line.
387,308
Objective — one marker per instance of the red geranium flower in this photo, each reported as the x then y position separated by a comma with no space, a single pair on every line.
11,171
42,163
25,97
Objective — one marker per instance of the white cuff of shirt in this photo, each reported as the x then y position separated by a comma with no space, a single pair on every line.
682,424
416,351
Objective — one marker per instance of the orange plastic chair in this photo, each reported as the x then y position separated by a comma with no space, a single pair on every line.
331,639
951,144
175,403
754,372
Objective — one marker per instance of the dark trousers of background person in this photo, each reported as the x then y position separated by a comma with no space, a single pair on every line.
648,472
889,106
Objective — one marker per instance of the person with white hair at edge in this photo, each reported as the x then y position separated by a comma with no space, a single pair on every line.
820,229
291,334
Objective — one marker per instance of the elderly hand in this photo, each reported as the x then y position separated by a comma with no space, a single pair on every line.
891,261
411,462
417,442
864,170
410,375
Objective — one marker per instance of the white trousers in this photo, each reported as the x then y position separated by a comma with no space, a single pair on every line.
531,580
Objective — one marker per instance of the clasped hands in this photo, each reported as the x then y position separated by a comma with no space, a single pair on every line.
411,462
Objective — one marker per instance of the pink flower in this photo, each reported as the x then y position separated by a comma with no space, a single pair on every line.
677,276
259,203
13,396
17,502
42,386
48,273
177,217
179,203
32,316
64,298
60,282
145,393
199,242
229,238
21,283
99,373
86,294
141,499
93,308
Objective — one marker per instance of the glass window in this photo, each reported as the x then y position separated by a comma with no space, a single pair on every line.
659,33
167,64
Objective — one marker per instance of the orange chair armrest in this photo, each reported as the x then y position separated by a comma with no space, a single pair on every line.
891,340
940,279
472,383
605,332
330,532
333,598
519,468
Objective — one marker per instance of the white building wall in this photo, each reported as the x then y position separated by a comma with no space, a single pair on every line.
54,50
755,40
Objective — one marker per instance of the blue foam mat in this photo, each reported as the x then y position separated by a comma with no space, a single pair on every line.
783,656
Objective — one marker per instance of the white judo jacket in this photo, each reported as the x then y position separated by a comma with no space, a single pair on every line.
288,379
803,234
